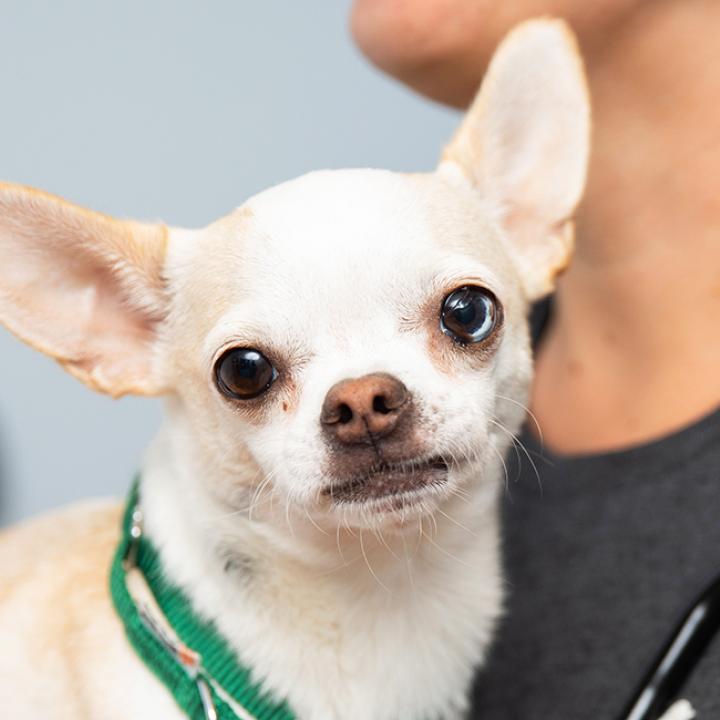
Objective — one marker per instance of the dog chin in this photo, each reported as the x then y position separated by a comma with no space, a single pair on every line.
393,495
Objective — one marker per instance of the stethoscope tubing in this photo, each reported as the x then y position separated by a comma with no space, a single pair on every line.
678,658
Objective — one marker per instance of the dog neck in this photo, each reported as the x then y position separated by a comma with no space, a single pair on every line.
348,624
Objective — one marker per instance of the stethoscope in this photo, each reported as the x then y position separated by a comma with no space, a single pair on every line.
677,659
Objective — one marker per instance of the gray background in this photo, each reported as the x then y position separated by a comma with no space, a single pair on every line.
175,110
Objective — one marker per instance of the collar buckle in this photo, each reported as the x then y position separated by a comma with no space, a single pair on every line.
136,532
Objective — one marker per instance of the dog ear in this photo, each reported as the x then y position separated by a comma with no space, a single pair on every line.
83,287
524,144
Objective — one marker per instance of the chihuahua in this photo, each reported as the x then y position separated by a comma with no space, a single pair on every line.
345,360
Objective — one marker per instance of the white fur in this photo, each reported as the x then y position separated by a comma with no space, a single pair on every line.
330,614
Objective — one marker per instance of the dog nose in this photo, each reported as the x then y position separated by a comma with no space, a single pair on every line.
362,409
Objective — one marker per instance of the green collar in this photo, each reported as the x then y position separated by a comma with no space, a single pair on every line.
187,654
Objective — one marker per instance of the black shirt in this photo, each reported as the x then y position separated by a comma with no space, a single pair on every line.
603,554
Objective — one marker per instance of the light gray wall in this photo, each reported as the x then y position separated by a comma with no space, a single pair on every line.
176,110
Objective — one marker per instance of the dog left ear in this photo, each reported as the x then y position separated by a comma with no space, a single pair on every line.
84,288
524,144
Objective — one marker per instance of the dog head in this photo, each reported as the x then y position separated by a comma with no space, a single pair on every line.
354,340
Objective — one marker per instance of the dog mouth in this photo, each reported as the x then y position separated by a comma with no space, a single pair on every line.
391,480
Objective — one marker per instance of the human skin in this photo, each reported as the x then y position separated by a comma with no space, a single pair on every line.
633,350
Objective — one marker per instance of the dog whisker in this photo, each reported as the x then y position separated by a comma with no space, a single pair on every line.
369,566
446,553
433,520
504,466
421,534
456,522
258,494
529,412
409,569
337,568
314,523
381,538
514,438
288,521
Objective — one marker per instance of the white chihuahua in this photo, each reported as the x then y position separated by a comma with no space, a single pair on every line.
346,359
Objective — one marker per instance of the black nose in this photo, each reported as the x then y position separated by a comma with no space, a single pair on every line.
360,409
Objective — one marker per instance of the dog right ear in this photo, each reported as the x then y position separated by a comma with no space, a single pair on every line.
84,288
524,145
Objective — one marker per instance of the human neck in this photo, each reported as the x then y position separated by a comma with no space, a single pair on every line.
633,349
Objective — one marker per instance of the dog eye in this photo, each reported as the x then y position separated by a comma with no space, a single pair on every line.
469,314
243,373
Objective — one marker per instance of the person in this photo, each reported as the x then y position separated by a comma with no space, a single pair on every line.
613,525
